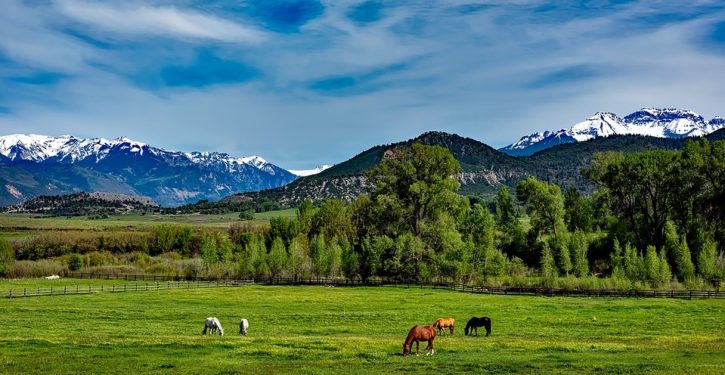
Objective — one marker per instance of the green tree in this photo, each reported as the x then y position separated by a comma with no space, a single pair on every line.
548,264
284,228
560,246
641,188
7,256
246,214
652,265
544,204
350,263
665,274
305,213
208,251
75,262
578,211
298,259
633,263
333,219
371,251
679,252
420,180
277,259
318,254
578,248
334,258
617,261
706,260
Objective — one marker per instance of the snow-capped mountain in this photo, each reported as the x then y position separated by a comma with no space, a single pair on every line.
654,122
309,172
125,166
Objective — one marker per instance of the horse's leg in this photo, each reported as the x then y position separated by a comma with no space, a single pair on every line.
429,350
476,328
417,348
452,327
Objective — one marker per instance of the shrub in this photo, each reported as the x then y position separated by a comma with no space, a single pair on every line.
75,262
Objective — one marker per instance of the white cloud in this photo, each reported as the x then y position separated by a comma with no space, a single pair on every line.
158,20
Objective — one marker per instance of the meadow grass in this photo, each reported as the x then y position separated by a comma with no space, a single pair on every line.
317,330
19,226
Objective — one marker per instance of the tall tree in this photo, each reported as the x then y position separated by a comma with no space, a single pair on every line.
277,260
544,204
419,179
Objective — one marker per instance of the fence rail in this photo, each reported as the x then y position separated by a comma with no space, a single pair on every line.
161,282
118,288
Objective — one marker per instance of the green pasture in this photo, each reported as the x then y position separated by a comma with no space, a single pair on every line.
318,330
20,225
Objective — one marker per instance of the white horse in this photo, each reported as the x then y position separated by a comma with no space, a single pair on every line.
243,327
213,324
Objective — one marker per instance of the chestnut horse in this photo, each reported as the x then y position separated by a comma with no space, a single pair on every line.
418,334
443,323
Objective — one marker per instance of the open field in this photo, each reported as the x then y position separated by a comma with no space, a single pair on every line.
19,225
316,330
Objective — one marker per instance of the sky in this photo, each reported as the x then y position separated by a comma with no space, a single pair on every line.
307,82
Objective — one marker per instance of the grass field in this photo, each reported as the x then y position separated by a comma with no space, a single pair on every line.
15,226
316,330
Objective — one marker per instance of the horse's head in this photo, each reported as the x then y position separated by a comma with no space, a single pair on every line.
406,349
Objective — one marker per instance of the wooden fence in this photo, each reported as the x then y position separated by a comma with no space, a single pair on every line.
160,282
118,288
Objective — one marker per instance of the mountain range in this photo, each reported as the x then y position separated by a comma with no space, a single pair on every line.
653,122
484,169
32,165
38,165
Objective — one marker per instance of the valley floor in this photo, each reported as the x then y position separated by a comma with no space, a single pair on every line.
317,330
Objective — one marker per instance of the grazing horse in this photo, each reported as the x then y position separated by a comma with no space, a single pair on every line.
243,327
474,323
443,323
213,325
418,334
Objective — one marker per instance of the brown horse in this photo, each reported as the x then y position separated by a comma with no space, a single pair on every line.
443,323
418,334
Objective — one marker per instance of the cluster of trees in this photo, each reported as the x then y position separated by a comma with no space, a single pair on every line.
658,218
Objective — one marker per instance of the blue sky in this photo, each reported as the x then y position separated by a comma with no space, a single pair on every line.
307,82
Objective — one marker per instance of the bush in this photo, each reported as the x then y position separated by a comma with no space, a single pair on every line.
39,268
75,262
7,256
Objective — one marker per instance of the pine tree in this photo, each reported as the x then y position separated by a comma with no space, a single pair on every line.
707,260
633,264
685,267
617,263
652,265
548,265
665,274
560,244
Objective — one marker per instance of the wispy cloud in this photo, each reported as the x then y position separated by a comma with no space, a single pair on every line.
135,19
308,82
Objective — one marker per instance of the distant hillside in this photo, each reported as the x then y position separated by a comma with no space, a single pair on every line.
485,169
32,165
85,204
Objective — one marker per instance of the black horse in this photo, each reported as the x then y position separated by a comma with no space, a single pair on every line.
474,323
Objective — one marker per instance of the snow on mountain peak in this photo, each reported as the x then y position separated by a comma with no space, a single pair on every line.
66,148
654,122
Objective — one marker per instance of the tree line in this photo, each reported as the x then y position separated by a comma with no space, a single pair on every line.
658,219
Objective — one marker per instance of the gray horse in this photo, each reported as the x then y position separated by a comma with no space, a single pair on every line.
243,327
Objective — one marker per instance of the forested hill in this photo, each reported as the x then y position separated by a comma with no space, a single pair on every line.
485,169
82,204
